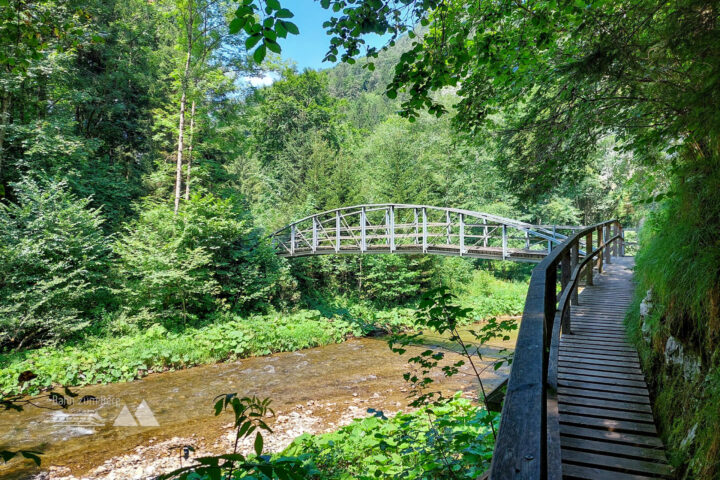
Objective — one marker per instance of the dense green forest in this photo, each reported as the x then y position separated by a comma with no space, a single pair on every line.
140,173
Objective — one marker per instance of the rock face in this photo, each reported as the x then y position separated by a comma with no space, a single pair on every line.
645,308
675,354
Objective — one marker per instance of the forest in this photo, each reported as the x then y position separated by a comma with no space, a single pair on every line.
141,172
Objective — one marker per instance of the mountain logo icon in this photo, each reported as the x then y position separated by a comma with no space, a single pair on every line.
143,414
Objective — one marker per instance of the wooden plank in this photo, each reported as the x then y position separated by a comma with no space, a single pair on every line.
589,358
652,454
624,464
606,413
601,367
600,351
600,373
602,380
601,387
607,435
622,397
609,424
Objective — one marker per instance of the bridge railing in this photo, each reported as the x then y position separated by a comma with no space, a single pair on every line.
528,442
403,228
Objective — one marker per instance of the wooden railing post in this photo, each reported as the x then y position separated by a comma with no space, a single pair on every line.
622,240
504,242
565,273
601,235
589,274
574,255
608,246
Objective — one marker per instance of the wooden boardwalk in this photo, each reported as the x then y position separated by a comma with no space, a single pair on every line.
606,423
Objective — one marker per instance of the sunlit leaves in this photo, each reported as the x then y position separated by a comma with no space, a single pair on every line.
263,26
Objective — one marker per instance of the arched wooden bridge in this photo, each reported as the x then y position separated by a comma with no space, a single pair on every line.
576,403
400,228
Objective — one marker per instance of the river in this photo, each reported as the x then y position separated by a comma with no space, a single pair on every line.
138,429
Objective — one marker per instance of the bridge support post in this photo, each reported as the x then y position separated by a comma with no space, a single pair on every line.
565,273
622,240
314,234
337,231
424,230
391,227
589,266
462,234
574,255
485,233
292,239
504,241
363,222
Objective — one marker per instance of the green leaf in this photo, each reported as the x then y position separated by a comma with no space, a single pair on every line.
252,41
272,45
258,444
290,27
284,13
273,4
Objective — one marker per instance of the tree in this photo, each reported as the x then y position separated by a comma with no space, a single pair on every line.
54,265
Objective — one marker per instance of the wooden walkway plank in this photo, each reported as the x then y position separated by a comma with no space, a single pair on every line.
607,430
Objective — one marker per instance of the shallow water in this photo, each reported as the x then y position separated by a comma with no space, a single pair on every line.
358,373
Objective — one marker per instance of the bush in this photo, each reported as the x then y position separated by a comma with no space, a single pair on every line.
54,265
181,268
448,441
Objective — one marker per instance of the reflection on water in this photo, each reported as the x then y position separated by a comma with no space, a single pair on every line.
115,418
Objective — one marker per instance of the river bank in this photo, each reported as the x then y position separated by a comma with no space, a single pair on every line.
313,391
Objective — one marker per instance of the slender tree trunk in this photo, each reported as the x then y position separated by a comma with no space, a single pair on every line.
4,120
190,151
181,131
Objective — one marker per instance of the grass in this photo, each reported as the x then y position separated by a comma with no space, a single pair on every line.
105,359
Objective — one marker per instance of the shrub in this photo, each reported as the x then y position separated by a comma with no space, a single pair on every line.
180,268
54,264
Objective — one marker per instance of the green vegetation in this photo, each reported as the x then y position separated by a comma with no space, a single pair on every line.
452,440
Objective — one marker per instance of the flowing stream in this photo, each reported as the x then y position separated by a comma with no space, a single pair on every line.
313,390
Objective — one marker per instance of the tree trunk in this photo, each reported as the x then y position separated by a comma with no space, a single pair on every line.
190,151
4,120
181,126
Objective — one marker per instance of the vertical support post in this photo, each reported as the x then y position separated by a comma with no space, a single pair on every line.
387,226
589,265
600,235
504,241
462,234
417,227
608,247
527,240
292,239
424,230
574,255
337,231
448,229
622,240
485,233
363,244
391,219
314,234
549,246
565,273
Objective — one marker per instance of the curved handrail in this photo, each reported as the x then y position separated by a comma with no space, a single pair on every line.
528,442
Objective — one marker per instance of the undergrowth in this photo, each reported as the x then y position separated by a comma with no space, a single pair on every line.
679,260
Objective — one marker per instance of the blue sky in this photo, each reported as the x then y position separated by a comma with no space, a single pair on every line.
308,48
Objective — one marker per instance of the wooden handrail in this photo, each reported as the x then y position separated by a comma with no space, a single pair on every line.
528,442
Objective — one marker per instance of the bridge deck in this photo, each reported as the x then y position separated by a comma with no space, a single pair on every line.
606,423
